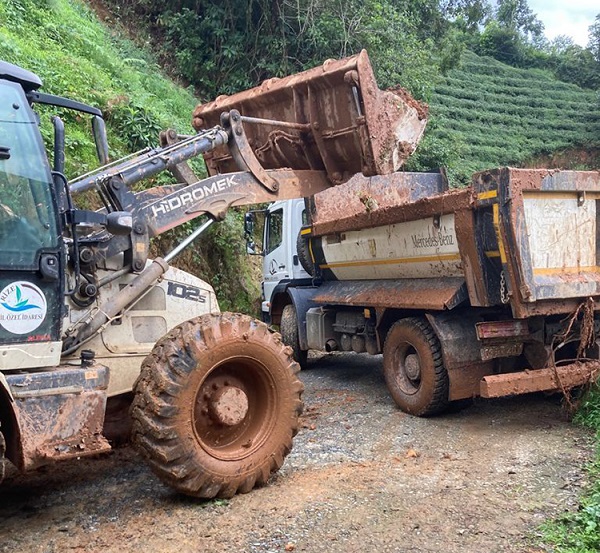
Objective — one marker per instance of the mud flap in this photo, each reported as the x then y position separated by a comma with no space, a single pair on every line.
59,414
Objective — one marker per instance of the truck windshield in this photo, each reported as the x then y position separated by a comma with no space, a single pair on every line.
27,217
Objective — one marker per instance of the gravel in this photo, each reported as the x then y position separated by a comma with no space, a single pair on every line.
363,476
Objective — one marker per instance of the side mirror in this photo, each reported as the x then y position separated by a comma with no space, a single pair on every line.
100,139
251,232
249,223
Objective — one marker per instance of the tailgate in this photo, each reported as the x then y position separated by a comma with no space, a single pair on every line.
539,237
563,243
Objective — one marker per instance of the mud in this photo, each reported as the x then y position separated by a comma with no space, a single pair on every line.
362,477
449,202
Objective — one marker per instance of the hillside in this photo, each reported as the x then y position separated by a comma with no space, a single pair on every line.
485,114
78,57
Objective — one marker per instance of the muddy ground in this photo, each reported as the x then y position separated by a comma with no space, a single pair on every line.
363,477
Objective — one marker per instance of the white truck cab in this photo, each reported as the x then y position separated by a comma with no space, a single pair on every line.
281,266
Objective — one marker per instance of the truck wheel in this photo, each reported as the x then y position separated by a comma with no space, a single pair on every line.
289,334
2,460
413,368
216,405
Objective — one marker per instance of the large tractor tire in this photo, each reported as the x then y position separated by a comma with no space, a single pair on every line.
216,405
289,334
413,368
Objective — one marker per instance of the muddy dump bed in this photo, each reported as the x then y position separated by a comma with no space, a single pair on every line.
524,237
331,118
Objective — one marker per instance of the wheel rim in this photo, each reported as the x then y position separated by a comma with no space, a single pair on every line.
235,408
407,364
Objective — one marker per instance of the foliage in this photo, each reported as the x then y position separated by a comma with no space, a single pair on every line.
225,46
75,56
485,114
579,531
594,38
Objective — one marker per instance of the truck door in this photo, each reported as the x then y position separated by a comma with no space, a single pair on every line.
275,266
297,217
283,222
31,254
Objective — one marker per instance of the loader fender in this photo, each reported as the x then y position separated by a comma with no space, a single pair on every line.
4,385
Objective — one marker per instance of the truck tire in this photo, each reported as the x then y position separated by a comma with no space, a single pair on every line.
2,454
289,334
413,368
216,405
304,253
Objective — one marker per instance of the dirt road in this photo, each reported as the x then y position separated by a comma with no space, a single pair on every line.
363,477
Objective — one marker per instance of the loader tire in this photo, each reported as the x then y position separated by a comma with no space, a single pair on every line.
216,405
413,368
289,334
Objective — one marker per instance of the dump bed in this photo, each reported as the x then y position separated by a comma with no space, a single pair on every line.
545,226
528,238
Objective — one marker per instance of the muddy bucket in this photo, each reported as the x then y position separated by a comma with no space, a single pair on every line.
332,118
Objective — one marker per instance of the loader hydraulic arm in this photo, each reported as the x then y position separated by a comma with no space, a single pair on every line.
288,138
162,208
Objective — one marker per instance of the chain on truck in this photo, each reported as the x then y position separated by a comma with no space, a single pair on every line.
89,322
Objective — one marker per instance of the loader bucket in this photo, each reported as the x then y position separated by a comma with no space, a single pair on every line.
332,118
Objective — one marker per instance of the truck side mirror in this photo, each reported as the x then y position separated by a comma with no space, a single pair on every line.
249,223
250,232
100,139
254,222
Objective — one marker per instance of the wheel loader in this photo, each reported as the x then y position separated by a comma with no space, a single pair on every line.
88,319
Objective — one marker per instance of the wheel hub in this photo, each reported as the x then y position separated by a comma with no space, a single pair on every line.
228,406
412,366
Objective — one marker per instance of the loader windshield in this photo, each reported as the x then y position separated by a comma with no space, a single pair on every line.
27,217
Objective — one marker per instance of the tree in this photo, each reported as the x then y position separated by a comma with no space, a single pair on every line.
516,15
594,38
472,14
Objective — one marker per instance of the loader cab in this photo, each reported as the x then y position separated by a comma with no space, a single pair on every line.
31,254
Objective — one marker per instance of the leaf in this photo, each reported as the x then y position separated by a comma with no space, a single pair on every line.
18,294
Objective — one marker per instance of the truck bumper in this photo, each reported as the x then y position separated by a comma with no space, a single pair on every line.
540,380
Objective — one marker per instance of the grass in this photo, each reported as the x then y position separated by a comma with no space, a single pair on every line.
76,56
579,531
63,42
486,114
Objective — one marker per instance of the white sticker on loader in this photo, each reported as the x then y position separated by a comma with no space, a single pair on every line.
23,307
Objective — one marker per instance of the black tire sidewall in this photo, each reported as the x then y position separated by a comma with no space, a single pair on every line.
419,402
290,335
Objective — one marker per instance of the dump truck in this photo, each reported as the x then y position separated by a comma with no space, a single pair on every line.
491,290
88,321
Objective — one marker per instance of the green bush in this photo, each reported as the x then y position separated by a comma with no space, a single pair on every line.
579,531
485,114
76,56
